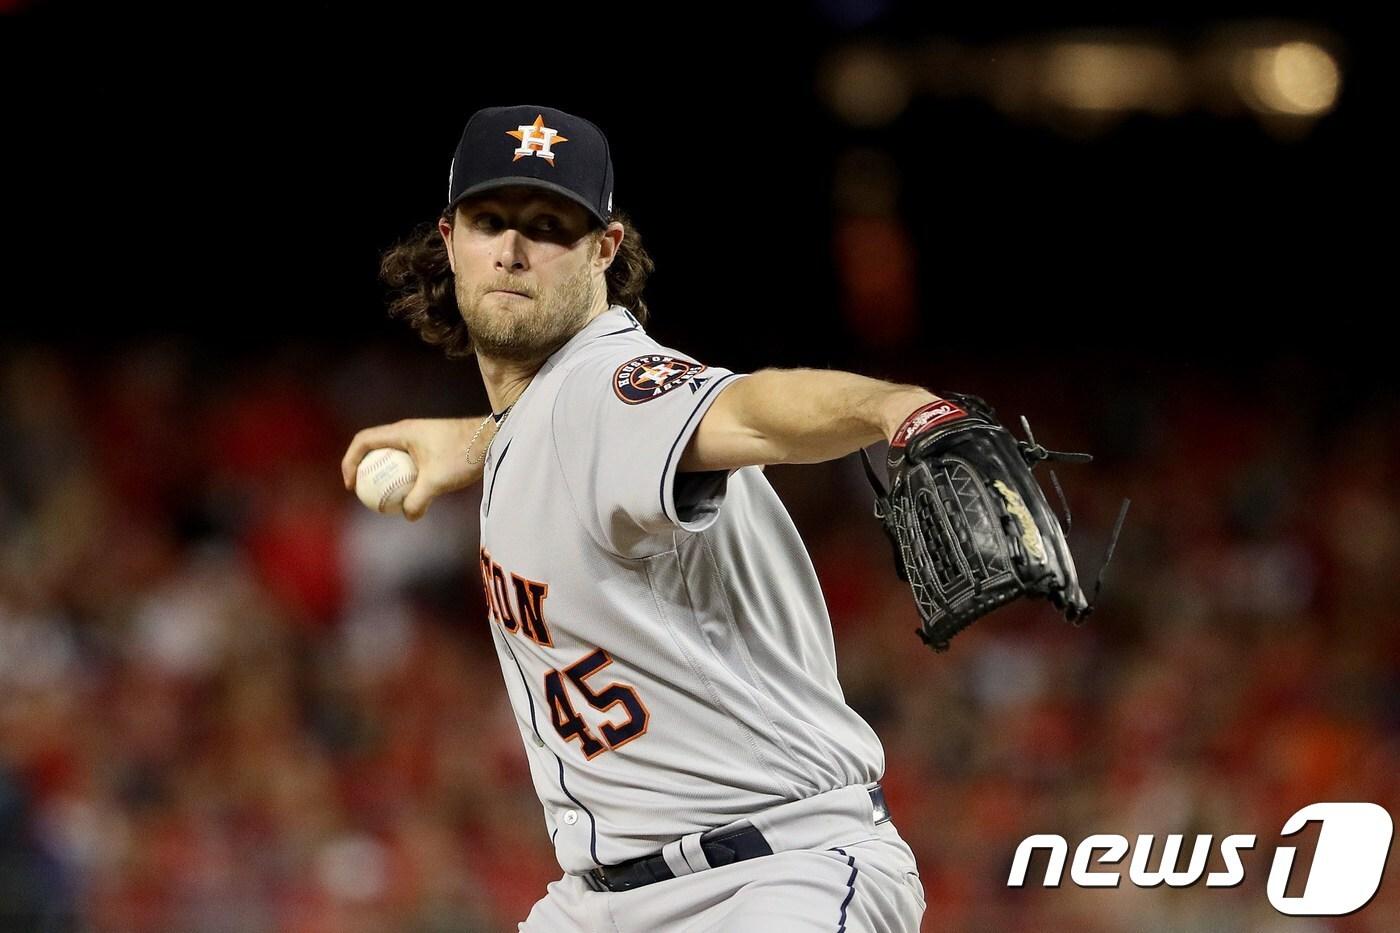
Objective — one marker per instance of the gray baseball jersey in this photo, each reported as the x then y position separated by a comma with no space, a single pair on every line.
663,636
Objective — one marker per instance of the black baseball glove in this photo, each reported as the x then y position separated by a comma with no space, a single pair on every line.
970,526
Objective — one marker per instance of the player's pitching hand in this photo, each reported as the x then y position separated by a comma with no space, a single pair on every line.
438,448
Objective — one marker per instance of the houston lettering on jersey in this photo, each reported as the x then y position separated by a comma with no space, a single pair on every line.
526,614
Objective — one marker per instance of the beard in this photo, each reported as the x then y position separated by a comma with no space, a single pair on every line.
524,330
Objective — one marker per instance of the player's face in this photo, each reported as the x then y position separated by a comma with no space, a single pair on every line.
528,277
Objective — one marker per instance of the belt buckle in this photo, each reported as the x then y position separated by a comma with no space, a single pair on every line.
878,805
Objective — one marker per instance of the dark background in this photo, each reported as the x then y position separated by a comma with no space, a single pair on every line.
235,181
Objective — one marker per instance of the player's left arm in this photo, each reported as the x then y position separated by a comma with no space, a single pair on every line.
797,416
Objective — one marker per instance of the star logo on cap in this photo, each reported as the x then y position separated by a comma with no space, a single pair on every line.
536,139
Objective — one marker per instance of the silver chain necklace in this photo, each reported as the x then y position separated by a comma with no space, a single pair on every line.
500,420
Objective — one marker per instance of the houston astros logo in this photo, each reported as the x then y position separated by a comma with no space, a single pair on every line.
536,139
646,377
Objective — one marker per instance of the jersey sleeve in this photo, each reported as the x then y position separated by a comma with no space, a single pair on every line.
621,422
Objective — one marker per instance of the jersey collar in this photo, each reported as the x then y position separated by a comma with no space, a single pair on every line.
612,321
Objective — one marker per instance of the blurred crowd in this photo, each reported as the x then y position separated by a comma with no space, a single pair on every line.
233,699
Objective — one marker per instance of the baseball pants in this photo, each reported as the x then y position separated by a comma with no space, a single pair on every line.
832,869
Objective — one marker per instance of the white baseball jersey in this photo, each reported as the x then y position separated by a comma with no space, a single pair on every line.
663,636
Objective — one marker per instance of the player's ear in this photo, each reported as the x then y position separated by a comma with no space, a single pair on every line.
445,229
609,242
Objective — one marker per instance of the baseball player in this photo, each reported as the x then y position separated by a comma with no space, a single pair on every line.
659,625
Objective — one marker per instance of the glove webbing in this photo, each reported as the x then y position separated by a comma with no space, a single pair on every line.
1033,453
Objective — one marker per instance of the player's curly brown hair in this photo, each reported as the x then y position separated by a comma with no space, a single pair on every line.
417,271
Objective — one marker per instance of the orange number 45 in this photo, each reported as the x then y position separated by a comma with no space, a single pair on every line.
571,726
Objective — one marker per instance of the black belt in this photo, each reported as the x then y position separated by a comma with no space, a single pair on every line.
721,847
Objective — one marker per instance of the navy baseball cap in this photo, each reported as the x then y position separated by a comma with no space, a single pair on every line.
538,147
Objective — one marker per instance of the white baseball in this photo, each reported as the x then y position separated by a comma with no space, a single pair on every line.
385,476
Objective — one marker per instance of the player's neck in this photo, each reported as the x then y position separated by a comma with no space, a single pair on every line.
505,380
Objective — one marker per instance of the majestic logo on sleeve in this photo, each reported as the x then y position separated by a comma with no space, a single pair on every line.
647,377
536,139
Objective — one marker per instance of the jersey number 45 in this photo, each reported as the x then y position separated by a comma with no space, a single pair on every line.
571,726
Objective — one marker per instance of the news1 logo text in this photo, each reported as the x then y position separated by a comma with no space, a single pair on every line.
1352,846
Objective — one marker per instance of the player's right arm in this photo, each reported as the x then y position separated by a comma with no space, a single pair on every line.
438,447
